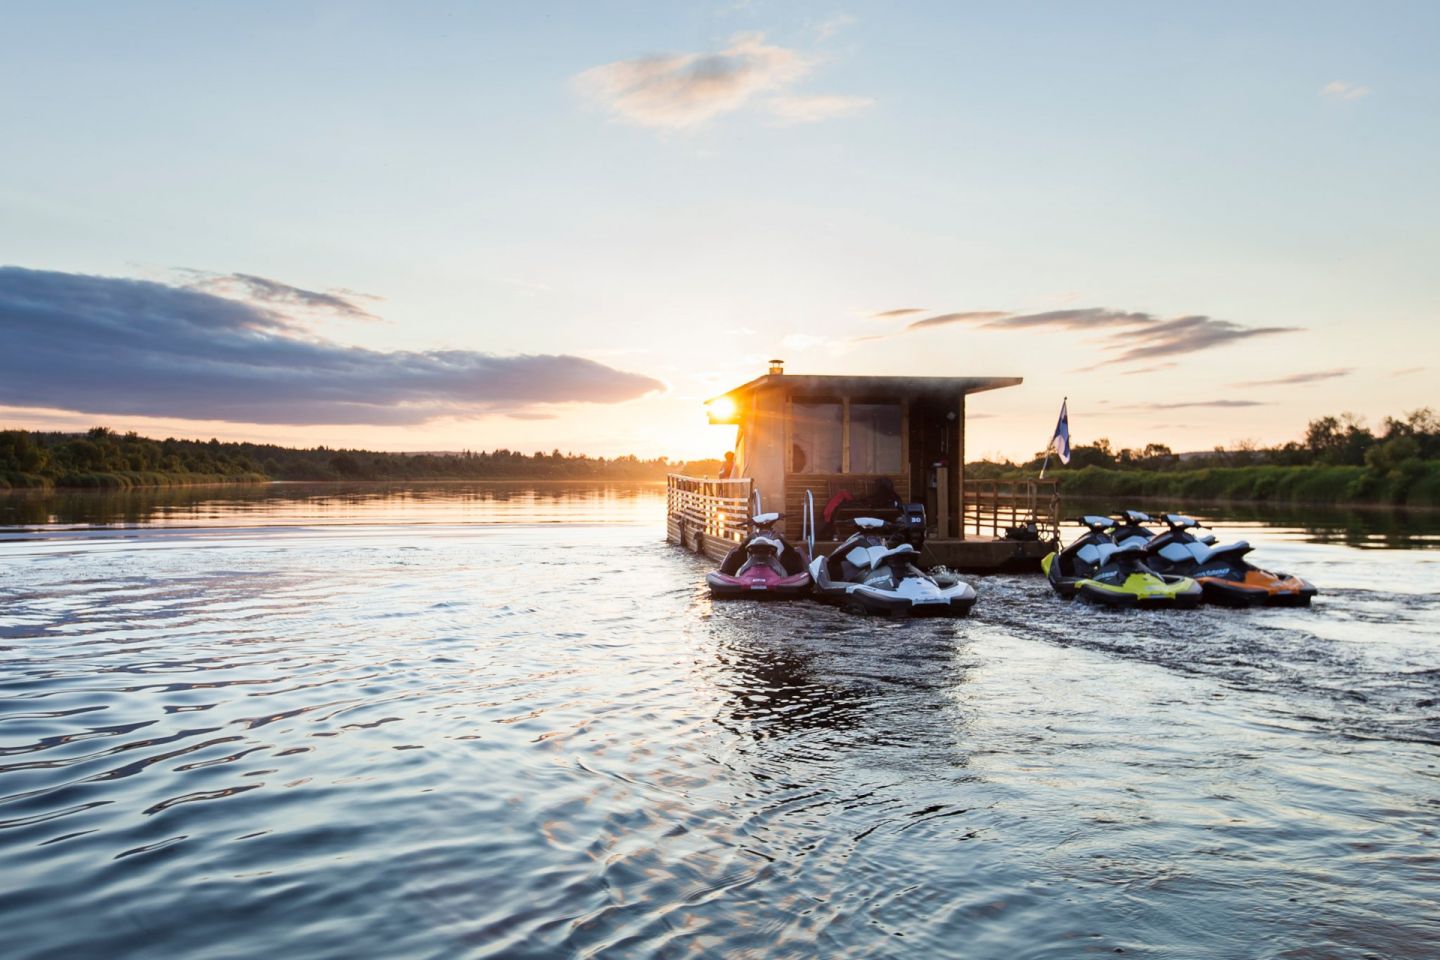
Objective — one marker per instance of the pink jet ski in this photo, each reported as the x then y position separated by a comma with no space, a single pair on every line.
762,565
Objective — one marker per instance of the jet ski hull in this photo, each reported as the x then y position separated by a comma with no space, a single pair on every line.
887,603
1258,588
1065,586
762,586
1143,591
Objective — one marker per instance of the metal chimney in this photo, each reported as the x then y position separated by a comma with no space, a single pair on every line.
777,367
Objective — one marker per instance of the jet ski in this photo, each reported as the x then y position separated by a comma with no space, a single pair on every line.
1222,571
762,565
1096,569
874,571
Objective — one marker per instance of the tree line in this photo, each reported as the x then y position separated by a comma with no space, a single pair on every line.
1334,441
1339,460
103,458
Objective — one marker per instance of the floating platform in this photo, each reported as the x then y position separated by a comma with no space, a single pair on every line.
971,555
709,516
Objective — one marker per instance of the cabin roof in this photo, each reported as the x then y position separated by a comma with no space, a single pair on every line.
898,387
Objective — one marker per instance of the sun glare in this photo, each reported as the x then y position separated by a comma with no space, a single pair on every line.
721,410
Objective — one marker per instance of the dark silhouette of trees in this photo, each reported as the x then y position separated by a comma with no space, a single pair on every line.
100,457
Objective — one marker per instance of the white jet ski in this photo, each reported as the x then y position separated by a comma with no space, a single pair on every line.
870,574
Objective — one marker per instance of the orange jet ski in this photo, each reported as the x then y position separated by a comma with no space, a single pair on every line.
1224,573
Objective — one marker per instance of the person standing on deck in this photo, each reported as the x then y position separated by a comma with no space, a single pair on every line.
727,469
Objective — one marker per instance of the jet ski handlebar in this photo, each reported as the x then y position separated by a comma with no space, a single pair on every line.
1179,521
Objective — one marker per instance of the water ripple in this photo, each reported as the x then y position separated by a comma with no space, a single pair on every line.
543,740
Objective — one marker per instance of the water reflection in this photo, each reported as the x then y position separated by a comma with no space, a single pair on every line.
320,724
321,503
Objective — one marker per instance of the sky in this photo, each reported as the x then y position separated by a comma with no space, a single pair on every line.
452,226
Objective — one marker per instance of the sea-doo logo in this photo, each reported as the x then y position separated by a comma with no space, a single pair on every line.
1217,572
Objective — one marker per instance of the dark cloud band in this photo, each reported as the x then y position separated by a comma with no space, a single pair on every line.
133,347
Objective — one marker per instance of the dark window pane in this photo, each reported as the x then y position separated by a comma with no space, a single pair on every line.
815,437
875,438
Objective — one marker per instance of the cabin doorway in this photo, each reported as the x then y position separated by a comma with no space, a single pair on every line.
937,462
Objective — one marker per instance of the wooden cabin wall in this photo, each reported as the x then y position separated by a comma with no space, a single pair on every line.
768,438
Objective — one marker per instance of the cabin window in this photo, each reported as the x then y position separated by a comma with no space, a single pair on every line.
875,438
815,435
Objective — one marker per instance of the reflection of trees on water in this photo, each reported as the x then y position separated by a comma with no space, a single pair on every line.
150,504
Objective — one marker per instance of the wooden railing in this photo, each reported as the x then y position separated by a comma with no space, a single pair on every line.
994,506
717,509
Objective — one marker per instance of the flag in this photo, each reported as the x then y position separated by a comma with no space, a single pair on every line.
1060,441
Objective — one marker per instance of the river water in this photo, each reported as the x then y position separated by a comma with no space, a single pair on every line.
471,721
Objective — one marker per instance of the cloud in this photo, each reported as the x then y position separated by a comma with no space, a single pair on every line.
901,312
1219,404
255,289
1155,369
1168,338
1406,371
1294,378
1344,90
947,318
1132,336
105,345
681,90
813,109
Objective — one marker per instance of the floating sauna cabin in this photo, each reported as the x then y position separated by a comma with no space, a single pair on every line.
845,442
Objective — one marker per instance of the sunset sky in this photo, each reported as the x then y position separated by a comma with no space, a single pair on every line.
440,226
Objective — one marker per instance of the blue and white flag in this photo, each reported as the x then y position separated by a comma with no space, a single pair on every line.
1060,441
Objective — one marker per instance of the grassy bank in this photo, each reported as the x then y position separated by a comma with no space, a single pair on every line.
122,480
1412,483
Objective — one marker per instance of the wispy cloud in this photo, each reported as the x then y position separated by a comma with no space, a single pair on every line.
948,318
1131,336
1406,371
681,90
247,286
106,345
1312,377
1218,404
1155,369
1344,90
899,312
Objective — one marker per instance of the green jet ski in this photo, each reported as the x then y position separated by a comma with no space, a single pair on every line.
1097,570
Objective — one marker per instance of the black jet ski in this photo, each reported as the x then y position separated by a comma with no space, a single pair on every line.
763,565
1222,571
1096,569
874,571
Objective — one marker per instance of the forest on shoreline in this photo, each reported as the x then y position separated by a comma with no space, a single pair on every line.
1339,460
104,459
